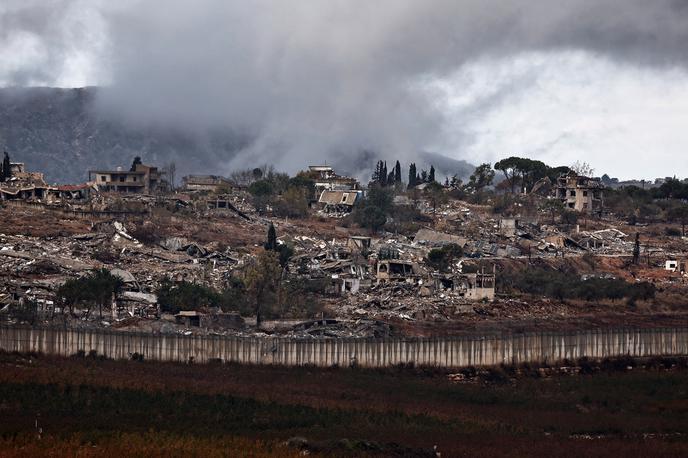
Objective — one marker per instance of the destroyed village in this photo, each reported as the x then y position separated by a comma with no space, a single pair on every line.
519,266
519,246
399,228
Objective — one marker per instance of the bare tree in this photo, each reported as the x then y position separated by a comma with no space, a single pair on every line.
582,169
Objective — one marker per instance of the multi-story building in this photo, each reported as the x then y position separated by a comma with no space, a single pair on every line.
327,180
580,193
144,179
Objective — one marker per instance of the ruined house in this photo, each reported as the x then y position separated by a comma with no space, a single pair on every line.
339,201
359,244
579,193
396,270
325,179
213,320
211,183
675,265
144,179
472,286
435,238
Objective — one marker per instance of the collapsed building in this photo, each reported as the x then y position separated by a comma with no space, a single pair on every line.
21,184
339,201
210,183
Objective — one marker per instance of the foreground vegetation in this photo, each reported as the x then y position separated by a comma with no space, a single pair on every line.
95,407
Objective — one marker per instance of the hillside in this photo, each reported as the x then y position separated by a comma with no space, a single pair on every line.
59,132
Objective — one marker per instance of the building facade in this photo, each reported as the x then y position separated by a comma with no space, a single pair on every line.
145,179
579,193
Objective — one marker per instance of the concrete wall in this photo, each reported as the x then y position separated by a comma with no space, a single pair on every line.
444,352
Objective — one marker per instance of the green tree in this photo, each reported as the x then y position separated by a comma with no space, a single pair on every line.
271,242
175,297
412,176
431,175
303,181
481,178
96,288
262,284
372,211
436,194
397,174
284,251
442,258
679,214
554,207
293,203
522,171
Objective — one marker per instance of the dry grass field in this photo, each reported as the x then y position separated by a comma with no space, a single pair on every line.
93,407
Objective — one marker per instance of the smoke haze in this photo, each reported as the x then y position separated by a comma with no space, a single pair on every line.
310,81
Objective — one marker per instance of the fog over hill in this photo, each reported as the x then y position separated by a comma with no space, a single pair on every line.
58,131
314,81
61,132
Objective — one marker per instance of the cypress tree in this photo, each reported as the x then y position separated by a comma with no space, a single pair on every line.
137,161
271,243
6,167
412,175
636,249
397,173
431,177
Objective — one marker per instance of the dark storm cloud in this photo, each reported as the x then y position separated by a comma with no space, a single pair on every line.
311,80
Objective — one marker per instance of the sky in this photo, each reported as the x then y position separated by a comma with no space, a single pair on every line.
602,81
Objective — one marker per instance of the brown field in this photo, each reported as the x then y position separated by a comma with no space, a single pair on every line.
94,407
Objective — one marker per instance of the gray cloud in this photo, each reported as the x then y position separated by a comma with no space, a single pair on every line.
324,79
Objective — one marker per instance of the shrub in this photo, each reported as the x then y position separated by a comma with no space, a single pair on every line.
146,233
562,286
174,298
96,288
672,232
442,258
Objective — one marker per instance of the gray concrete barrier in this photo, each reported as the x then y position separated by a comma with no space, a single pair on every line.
537,347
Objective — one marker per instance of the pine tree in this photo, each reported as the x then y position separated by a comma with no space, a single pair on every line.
271,243
431,177
423,176
390,179
383,175
397,174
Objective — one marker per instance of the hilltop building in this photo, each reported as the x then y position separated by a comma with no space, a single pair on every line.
327,180
144,179
580,193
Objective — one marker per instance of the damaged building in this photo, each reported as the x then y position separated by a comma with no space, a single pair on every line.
210,183
336,201
142,179
580,193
